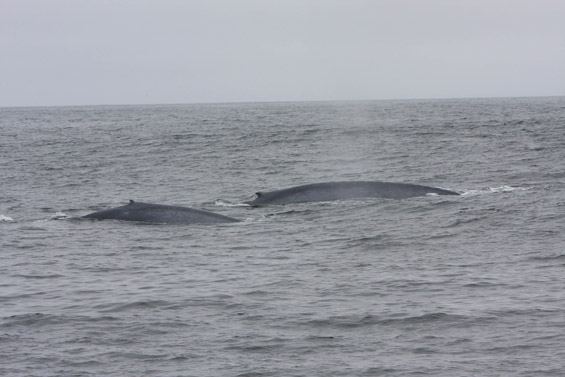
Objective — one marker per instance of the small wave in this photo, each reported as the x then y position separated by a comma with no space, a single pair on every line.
137,305
345,321
424,318
372,320
27,319
38,276
526,312
259,348
6,219
556,257
43,319
382,371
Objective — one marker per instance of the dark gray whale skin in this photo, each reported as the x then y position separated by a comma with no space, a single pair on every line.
320,192
159,213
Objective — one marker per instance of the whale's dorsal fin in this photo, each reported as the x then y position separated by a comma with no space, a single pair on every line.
259,194
131,201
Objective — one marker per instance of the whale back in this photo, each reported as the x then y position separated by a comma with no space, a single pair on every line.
159,213
327,191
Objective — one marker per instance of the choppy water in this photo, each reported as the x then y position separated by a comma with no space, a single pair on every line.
432,286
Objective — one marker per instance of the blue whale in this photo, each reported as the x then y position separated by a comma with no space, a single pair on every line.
320,192
159,213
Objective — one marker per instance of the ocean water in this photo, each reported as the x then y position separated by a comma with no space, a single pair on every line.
431,286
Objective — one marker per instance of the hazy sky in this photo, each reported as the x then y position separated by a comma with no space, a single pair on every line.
74,52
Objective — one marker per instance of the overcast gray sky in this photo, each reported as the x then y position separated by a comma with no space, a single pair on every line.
77,52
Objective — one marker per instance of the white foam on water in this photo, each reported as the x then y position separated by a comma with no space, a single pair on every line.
223,203
59,216
6,219
493,190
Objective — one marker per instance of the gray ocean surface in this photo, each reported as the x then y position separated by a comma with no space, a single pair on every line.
431,286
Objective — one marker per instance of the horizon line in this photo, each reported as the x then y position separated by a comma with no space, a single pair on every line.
280,101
